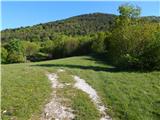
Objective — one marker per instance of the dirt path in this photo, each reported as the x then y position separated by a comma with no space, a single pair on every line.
82,85
54,110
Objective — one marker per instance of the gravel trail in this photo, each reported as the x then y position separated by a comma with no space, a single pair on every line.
54,110
85,87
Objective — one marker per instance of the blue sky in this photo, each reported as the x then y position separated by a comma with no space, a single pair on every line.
17,14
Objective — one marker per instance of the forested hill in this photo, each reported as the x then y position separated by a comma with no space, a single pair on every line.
152,18
78,25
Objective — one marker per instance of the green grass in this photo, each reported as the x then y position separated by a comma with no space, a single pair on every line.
129,95
76,99
24,90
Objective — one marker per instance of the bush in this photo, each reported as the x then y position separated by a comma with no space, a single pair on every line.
98,45
15,57
65,47
70,47
85,44
30,49
4,55
16,51
48,46
129,61
151,54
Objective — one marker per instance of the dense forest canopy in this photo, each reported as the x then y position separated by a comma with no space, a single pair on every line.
127,40
78,25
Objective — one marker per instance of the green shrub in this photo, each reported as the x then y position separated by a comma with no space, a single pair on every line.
16,52
98,45
4,54
65,47
15,57
31,48
151,54
70,46
48,46
85,44
128,61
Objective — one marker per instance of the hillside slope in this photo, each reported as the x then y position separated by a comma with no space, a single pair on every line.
78,25
73,26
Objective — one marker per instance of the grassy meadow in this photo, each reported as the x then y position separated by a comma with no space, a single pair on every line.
129,95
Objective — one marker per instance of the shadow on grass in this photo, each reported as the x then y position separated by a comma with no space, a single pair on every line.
90,67
95,68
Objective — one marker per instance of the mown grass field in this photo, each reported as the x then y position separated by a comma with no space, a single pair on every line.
129,95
